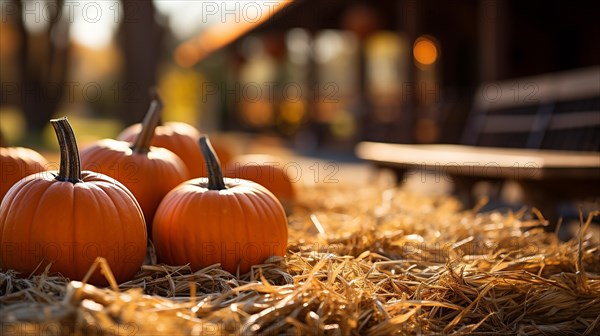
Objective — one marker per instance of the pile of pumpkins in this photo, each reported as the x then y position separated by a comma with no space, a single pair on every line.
158,181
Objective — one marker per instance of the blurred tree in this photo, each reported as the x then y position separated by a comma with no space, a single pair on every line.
140,38
42,64
40,82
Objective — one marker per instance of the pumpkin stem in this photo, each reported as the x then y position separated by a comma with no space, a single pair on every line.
151,120
70,165
153,94
215,175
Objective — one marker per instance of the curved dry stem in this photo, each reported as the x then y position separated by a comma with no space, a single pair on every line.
151,120
70,163
213,167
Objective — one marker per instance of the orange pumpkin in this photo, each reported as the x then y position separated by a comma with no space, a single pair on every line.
266,170
148,172
181,139
17,163
234,222
69,218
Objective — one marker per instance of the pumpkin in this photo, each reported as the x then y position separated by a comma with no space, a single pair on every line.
68,218
181,139
17,163
204,221
148,172
266,170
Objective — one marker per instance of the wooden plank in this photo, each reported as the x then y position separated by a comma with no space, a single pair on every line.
492,162
536,90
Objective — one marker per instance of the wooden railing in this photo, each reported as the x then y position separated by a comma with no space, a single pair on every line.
543,132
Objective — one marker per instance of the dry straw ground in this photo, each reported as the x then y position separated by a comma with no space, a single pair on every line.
372,261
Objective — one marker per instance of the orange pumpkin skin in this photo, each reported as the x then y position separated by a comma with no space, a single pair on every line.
44,220
266,170
66,219
241,225
17,163
238,223
149,176
181,139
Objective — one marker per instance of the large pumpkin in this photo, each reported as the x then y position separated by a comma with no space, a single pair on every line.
181,139
148,172
17,163
234,222
266,170
68,218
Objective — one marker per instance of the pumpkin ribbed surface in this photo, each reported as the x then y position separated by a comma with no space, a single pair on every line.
17,163
181,139
66,219
148,176
205,221
44,220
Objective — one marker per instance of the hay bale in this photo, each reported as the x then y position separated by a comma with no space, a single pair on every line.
376,262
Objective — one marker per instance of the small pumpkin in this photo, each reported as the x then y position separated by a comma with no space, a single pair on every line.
266,170
17,163
148,172
181,139
68,218
234,222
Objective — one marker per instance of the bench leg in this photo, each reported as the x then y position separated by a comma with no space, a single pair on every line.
548,195
463,189
543,200
400,175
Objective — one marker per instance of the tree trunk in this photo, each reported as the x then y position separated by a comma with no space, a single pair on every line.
141,44
43,60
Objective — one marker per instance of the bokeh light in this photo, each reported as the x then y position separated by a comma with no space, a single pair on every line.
425,50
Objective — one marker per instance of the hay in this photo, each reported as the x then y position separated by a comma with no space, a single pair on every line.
373,261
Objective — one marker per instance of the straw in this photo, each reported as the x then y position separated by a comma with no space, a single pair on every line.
376,260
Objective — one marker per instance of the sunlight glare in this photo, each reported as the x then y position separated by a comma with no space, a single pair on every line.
95,22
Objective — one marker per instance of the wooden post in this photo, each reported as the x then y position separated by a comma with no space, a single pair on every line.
492,40
409,24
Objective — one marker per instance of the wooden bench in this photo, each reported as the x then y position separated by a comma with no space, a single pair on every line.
543,132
